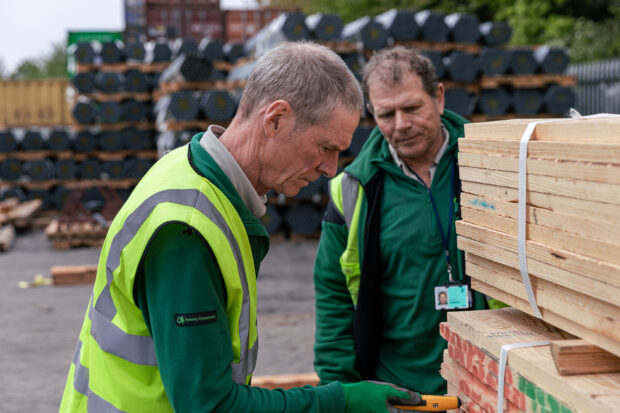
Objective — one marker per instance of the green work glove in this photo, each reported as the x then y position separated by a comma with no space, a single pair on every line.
377,397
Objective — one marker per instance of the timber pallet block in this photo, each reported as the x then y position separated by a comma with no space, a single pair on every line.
440,46
118,96
114,127
532,383
121,67
73,274
182,125
116,155
18,214
35,155
527,81
65,235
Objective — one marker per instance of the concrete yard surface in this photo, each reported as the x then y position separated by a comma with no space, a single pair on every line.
39,326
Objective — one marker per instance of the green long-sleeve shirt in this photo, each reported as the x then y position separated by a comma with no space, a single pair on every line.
179,274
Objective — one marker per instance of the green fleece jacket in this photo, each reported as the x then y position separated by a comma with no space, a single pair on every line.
412,263
179,274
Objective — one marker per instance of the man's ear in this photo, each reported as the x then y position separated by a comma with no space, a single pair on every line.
277,117
440,98
369,108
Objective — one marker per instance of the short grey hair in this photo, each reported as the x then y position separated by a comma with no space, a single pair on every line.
311,78
389,66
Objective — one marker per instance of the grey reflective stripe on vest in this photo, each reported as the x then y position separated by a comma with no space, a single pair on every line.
349,197
98,405
140,349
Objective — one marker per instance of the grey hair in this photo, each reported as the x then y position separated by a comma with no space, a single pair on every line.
389,65
311,78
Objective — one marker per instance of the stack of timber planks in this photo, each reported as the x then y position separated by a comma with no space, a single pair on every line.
532,384
572,230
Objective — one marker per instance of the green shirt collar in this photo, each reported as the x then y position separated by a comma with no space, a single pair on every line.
205,165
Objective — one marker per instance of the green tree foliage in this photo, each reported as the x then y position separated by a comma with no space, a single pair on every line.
49,66
590,29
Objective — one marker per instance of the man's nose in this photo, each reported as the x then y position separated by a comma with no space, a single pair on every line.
402,121
329,166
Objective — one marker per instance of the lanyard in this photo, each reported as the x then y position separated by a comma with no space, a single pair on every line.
445,236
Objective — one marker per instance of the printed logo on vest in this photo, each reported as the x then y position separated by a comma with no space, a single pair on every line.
193,319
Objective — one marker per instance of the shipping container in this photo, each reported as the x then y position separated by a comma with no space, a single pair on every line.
40,102
74,37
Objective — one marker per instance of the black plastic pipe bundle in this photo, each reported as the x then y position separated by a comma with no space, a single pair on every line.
110,112
84,82
89,169
436,58
136,139
459,100
59,139
286,27
272,220
324,26
432,25
355,63
13,192
110,141
157,52
551,60
8,142
314,191
367,31
182,47
461,66
557,99
136,81
399,24
82,52
495,33
493,61
41,194
135,51
522,61
303,219
38,169
233,51
211,49
182,105
11,169
109,82
84,111
187,68
361,134
114,169
65,169
33,140
137,167
463,27
217,105
110,51
133,110
84,141
493,102
59,196
526,101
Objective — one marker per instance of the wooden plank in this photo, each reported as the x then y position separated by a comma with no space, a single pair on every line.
7,236
490,330
21,215
468,405
559,320
569,151
600,319
285,381
73,274
587,171
580,357
578,242
600,130
572,188
560,204
583,267
474,389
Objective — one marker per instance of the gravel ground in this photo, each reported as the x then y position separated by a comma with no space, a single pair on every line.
39,326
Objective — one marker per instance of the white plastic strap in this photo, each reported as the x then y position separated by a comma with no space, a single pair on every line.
503,358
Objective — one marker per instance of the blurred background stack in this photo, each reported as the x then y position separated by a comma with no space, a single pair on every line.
134,95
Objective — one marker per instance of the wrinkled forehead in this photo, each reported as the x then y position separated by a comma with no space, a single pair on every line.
389,72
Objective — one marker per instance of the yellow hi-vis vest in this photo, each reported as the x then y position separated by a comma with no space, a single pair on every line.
347,194
114,368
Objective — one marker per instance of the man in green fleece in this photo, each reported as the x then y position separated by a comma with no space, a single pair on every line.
388,237
171,323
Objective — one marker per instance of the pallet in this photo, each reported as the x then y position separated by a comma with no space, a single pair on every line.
121,67
64,235
531,370
527,81
114,127
34,155
116,155
73,274
441,46
340,46
18,214
183,125
118,96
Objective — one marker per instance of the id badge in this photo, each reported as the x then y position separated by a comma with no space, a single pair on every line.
452,296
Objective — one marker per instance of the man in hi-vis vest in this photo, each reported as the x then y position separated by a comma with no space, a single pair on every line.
171,323
387,254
